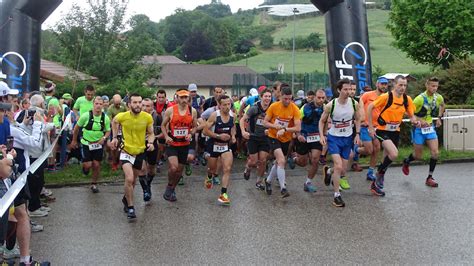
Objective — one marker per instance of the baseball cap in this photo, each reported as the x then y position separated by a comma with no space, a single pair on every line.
253,92
67,96
105,97
5,106
181,93
5,90
300,94
382,80
192,87
261,88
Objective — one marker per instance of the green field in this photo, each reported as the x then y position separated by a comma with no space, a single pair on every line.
383,54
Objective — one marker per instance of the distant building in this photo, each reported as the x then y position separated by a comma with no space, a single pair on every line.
52,71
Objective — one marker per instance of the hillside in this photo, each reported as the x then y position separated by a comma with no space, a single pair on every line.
383,54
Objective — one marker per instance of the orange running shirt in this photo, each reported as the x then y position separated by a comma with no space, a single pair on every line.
394,114
285,116
368,98
180,126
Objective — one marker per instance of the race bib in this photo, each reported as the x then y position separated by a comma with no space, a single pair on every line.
313,138
343,127
427,130
177,132
95,146
392,127
58,131
282,123
220,148
260,122
127,157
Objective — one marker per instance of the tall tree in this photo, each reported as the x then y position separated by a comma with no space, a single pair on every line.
423,29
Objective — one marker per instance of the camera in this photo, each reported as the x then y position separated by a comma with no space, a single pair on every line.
9,143
31,113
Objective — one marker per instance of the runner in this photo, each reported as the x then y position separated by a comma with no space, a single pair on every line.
178,127
428,104
343,112
393,105
220,128
258,144
115,108
95,127
151,156
282,120
160,107
371,146
308,141
135,125
84,103
212,101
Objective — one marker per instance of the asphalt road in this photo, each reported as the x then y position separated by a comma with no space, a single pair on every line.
413,224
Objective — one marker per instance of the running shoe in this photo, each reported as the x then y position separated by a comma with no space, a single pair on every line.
376,190
406,167
94,189
208,182
188,169
356,167
291,162
216,180
52,168
431,182
46,192
203,161
284,193
246,173
370,176
322,160
11,254
224,199
309,187
268,187
131,214
34,263
181,181
146,196
35,227
168,193
260,186
338,202
327,175
344,183
125,204
38,213
173,196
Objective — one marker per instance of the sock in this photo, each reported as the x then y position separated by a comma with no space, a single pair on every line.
25,259
356,153
131,207
223,190
337,194
385,164
409,159
143,182
308,180
150,179
281,176
432,165
272,174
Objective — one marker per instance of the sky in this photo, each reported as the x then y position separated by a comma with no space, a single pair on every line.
154,9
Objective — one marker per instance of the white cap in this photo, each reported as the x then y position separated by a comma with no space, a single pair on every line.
253,92
192,87
5,90
300,94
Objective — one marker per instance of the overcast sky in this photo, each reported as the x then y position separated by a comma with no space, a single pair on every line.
154,9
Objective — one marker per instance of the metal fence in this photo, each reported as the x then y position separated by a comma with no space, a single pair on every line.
242,83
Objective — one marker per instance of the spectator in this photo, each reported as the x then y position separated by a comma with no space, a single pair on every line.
84,103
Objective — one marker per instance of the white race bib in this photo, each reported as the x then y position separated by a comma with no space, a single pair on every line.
220,148
343,127
282,123
94,146
180,132
260,122
127,157
392,127
427,130
313,138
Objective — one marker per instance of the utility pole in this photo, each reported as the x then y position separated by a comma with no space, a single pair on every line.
295,10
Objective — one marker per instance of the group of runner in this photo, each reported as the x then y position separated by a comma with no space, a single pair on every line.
274,128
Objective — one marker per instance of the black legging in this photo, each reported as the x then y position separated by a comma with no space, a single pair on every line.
35,184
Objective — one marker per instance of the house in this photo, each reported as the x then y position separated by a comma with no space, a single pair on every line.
175,76
52,71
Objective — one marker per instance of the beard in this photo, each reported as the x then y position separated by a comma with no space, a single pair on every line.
136,110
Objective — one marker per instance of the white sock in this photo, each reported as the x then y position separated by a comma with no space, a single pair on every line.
308,180
337,194
272,174
25,259
281,176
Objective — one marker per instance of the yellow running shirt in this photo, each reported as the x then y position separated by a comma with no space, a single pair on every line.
134,130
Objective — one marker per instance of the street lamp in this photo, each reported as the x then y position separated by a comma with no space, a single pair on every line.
295,10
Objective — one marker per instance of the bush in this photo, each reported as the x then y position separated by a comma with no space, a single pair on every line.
266,41
457,82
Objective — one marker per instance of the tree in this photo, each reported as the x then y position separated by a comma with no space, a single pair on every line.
143,38
198,47
215,9
314,41
266,41
423,28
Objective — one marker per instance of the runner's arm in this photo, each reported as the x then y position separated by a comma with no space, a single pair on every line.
165,123
322,123
243,120
361,110
370,109
151,134
195,126
296,128
207,128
